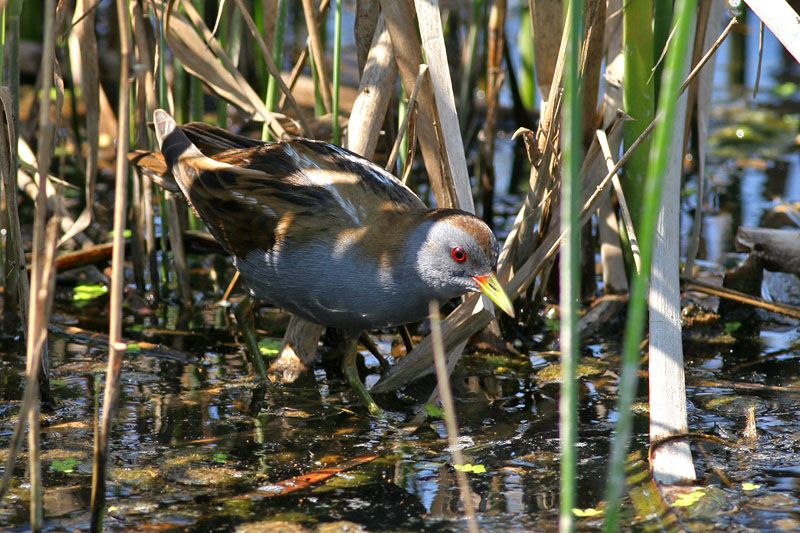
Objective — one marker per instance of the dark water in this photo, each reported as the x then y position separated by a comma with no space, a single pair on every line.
200,445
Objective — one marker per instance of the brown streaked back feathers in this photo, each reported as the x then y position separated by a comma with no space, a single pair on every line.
254,195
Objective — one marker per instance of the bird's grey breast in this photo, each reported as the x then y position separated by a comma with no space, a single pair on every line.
336,286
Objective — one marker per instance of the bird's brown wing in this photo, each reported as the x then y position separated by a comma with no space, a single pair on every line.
257,196
212,140
248,209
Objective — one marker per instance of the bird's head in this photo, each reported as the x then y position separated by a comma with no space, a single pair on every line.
458,254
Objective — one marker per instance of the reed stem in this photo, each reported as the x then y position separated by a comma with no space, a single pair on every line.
116,347
570,264
685,11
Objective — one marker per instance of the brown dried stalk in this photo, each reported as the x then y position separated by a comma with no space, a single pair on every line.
116,346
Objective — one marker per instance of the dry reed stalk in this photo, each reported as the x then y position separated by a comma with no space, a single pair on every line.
702,102
84,60
16,260
431,33
43,281
175,236
400,19
451,423
145,98
667,381
318,53
116,346
522,239
300,64
623,204
367,14
42,275
547,21
374,93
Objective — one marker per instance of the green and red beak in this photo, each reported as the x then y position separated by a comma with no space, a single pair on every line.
490,286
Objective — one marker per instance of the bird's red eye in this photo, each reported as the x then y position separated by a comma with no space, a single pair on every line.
458,254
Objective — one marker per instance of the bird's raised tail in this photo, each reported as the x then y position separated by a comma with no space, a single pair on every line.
181,156
174,144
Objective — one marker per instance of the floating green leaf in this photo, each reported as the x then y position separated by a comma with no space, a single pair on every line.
83,293
750,486
65,466
689,499
730,327
586,513
269,347
126,233
471,468
434,411
220,457
786,90
133,347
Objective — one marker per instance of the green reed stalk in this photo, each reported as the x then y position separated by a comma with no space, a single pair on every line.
402,110
525,75
570,264
685,11
262,77
319,105
638,94
162,45
469,68
195,85
337,66
662,21
273,94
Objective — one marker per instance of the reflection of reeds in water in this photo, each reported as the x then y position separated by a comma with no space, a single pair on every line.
196,59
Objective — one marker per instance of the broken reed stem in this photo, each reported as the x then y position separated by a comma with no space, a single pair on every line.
116,347
602,139
741,297
410,108
443,380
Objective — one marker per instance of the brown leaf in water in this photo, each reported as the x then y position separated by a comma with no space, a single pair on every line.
303,481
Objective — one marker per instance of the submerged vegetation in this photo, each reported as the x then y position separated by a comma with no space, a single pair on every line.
594,137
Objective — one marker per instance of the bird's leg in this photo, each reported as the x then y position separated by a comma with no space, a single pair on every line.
350,371
370,345
246,323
